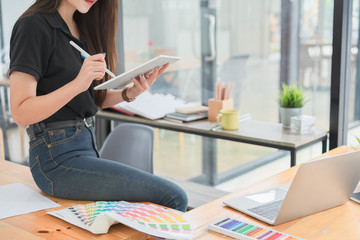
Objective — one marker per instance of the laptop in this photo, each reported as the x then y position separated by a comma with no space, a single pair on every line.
318,185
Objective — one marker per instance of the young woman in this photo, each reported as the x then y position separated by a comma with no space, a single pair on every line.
51,89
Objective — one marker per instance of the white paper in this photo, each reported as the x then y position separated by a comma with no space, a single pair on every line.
153,106
17,199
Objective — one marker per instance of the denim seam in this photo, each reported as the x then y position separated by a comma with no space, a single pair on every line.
61,142
67,139
126,179
93,140
52,159
56,132
36,144
34,164
42,172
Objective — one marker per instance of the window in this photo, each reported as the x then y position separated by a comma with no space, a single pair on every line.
249,41
354,87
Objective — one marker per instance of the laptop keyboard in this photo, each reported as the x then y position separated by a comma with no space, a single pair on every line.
269,211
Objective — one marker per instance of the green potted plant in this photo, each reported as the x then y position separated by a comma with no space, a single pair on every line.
291,100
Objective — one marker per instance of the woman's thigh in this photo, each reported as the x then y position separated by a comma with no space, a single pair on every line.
71,169
91,178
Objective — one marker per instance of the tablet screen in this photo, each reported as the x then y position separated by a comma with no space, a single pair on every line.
124,79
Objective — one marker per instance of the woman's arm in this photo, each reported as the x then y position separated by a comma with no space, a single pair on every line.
140,85
27,108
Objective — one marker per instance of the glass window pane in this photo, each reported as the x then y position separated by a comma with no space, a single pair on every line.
248,43
249,46
354,89
315,52
169,27
248,40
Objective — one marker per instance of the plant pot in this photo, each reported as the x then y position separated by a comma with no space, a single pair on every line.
287,113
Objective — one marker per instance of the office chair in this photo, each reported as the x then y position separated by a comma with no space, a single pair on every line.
131,144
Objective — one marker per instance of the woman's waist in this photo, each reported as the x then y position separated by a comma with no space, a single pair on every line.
37,128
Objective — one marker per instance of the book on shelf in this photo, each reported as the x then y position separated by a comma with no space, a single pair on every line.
151,106
151,219
186,117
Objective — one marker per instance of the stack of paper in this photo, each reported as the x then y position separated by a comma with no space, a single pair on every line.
186,117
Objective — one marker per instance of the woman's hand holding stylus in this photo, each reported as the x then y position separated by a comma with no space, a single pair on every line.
143,82
93,68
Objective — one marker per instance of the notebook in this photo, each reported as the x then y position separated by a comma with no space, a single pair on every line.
151,106
125,78
151,219
187,117
318,185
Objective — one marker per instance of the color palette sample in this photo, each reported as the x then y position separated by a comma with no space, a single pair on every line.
151,219
246,231
87,213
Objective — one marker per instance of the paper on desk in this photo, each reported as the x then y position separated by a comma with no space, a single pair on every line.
17,199
153,106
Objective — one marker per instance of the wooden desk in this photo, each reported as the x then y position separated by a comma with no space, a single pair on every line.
337,223
252,132
39,225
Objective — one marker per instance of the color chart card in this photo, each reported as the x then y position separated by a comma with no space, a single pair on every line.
246,231
152,216
87,213
151,219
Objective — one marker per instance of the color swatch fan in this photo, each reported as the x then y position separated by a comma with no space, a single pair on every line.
151,219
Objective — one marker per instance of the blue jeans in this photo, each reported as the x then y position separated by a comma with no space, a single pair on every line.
65,164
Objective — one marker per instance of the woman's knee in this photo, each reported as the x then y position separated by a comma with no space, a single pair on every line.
177,198
181,200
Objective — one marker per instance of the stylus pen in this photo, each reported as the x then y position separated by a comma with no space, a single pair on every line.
84,54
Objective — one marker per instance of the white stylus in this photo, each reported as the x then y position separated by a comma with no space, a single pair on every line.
84,54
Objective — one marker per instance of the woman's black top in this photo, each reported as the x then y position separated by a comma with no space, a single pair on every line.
40,47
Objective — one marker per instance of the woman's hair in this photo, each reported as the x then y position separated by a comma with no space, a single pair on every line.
97,27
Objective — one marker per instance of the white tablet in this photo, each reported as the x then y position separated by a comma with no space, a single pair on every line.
124,79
